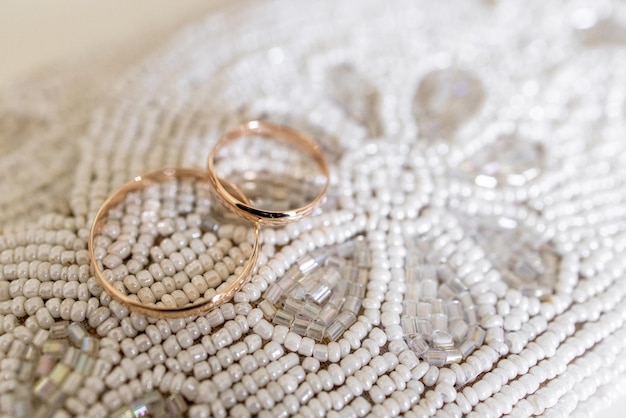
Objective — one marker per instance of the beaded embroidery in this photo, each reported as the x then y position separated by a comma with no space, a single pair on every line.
414,102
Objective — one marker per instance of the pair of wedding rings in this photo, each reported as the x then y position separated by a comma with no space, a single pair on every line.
228,194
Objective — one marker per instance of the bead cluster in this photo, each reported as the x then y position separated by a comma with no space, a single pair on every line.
152,404
55,364
321,295
63,378
440,322
525,262
509,161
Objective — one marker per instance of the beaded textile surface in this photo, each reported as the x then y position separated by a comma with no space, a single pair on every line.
467,261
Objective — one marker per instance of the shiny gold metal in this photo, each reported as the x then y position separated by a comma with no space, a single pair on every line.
282,134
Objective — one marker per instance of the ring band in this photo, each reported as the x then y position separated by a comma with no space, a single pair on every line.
139,183
280,133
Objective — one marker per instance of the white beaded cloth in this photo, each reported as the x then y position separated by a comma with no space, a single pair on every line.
477,150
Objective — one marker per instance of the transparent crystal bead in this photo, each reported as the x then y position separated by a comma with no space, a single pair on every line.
273,294
442,339
466,348
300,326
453,356
89,345
327,314
315,331
356,95
509,161
476,335
494,335
175,406
409,308
45,364
409,325
59,330
352,304
85,364
55,348
444,100
424,326
320,293
310,310
429,290
293,306
413,292
471,315
71,356
455,310
440,322
283,318
347,318
268,309
435,357
458,328
417,343
334,330
45,388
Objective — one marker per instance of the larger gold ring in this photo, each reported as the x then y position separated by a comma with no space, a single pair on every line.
139,183
287,136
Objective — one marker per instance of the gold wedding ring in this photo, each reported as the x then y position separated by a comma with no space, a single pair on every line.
288,137
205,304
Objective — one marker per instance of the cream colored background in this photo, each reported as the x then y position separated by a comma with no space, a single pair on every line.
35,34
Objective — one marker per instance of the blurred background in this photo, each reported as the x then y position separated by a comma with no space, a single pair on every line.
38,34
35,34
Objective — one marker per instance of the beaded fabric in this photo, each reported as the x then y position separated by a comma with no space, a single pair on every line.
468,260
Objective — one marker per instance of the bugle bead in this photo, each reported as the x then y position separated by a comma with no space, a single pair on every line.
417,343
494,335
442,339
455,310
55,348
273,293
424,327
283,317
476,334
76,333
435,357
424,310
466,348
327,314
458,329
352,304
89,345
315,331
471,315
453,356
347,318
334,330
268,309
310,310
429,290
300,326
59,329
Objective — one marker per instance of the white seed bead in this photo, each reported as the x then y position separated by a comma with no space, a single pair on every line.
264,329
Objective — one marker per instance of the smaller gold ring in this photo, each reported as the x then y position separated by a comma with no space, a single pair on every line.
141,182
280,133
